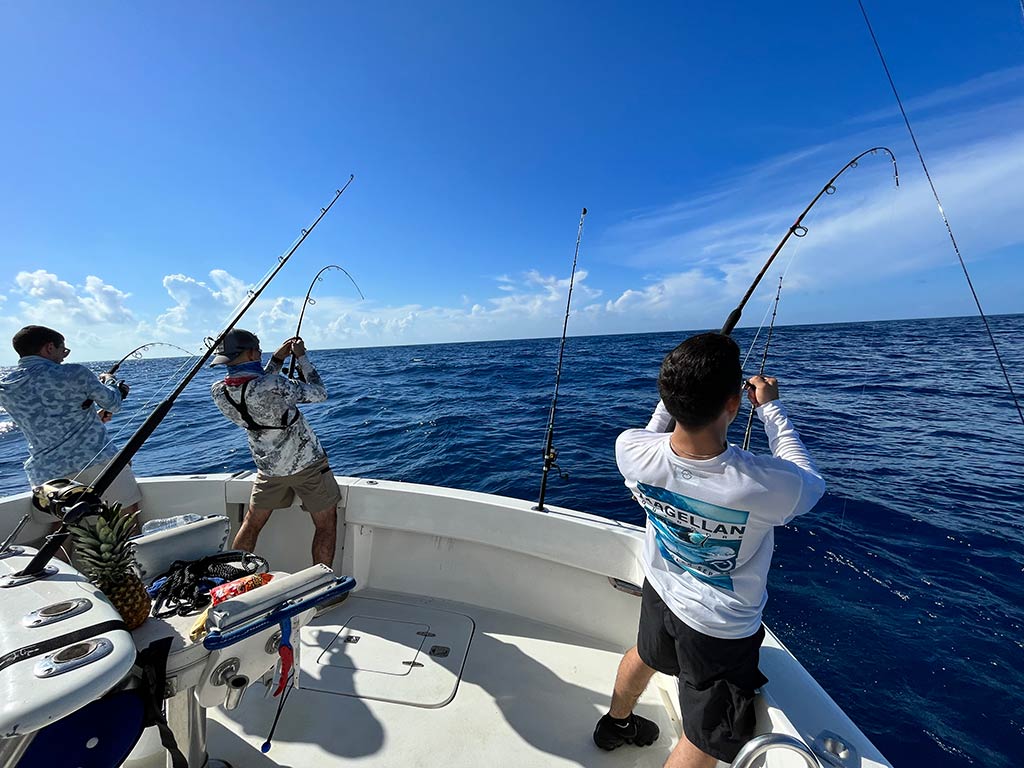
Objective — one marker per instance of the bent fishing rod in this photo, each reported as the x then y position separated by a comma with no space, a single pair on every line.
38,563
799,230
137,355
550,454
309,300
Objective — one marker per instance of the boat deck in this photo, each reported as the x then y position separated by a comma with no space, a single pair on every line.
434,683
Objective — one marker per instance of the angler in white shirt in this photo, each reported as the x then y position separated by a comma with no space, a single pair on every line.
711,512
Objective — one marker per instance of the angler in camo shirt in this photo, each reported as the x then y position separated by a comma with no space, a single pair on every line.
289,458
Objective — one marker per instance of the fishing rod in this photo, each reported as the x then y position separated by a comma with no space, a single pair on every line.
942,212
764,359
137,355
38,563
309,300
550,454
800,231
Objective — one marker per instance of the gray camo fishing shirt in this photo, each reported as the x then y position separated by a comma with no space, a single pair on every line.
45,400
277,452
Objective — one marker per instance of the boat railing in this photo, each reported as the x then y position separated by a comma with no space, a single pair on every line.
761,744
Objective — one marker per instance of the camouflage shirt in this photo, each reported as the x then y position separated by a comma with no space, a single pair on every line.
271,401
45,400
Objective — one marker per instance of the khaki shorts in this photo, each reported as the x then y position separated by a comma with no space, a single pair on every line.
124,489
315,486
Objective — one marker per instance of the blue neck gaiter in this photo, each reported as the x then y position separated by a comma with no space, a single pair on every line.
254,368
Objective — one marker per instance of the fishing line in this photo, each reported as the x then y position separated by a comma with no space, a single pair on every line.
173,380
550,454
209,343
136,354
757,335
768,308
77,510
799,230
158,393
942,213
310,301
764,359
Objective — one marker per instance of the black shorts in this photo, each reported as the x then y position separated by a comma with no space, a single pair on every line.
717,677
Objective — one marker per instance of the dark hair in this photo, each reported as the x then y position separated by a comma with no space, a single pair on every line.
32,338
698,377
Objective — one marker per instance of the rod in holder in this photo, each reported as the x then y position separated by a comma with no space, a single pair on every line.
550,454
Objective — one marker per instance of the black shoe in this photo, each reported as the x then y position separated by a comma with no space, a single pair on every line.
637,730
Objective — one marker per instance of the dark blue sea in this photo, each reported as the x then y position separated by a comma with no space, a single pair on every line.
902,592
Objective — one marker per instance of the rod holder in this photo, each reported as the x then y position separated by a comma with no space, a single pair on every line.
236,687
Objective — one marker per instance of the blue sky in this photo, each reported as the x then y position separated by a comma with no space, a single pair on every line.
159,157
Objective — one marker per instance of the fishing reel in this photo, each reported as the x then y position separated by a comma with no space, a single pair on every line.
59,497
551,463
122,387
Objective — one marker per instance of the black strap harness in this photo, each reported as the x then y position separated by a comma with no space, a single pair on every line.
151,668
186,586
250,422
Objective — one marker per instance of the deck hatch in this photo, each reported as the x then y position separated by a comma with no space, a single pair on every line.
386,650
383,645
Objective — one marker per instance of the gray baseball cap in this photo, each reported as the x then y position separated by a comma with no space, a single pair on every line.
235,342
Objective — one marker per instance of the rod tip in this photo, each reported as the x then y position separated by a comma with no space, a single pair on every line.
584,212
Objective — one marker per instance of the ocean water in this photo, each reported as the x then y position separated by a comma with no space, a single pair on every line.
902,592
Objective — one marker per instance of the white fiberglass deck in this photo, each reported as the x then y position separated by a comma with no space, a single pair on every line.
519,682
529,695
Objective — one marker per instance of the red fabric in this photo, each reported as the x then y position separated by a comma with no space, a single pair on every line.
287,659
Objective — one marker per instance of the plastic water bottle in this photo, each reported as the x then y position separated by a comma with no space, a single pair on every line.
166,523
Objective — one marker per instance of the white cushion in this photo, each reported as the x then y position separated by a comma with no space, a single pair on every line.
155,552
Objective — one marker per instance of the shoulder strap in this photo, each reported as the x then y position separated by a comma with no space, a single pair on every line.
152,666
250,422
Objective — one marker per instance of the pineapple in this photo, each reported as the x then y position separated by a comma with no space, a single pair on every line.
104,554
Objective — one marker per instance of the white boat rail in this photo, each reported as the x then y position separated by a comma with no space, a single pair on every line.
756,747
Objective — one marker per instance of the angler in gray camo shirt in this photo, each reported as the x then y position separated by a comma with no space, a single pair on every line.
289,458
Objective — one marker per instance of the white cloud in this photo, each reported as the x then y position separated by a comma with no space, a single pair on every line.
680,265
971,89
710,248
55,301
198,306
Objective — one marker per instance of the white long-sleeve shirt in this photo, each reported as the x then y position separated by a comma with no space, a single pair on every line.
710,523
